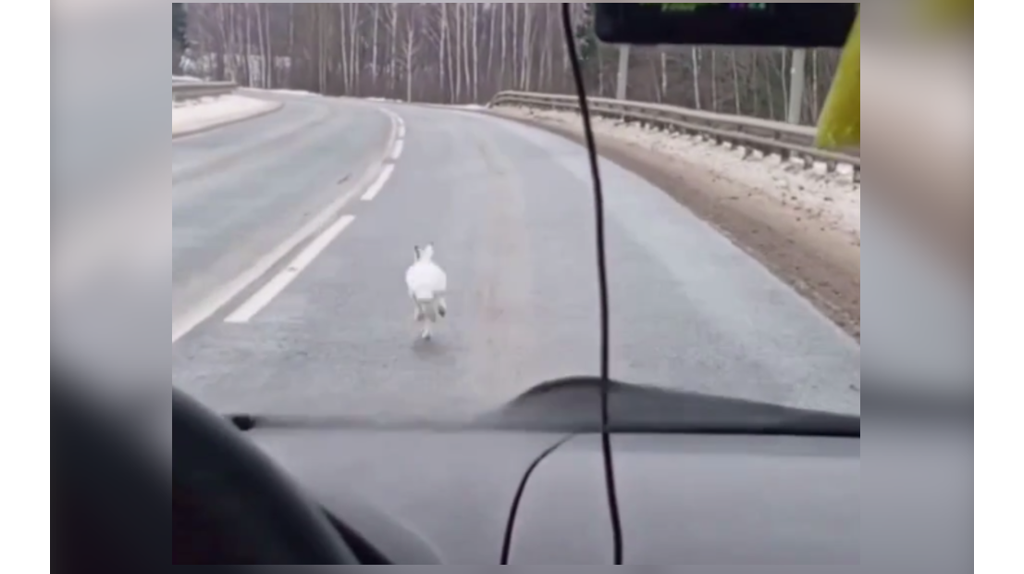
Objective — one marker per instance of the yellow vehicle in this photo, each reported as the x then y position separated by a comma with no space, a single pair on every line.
839,125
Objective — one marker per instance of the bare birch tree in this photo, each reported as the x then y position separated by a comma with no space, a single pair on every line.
467,52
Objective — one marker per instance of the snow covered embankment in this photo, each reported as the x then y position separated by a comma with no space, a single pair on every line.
831,198
192,116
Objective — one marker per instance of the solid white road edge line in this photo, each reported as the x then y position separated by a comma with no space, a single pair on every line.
280,282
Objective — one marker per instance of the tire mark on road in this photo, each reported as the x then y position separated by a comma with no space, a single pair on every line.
503,356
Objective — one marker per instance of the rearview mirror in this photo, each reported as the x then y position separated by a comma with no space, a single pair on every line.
796,25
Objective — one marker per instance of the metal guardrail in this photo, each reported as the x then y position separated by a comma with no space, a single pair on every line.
752,134
193,90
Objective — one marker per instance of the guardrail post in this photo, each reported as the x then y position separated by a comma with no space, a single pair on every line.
797,81
622,82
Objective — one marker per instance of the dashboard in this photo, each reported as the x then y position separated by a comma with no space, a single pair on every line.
539,498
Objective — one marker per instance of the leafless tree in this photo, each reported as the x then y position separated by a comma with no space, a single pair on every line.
461,53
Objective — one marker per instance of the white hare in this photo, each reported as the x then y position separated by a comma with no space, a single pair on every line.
427,284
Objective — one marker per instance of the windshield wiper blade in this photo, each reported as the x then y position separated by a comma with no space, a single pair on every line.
247,422
573,405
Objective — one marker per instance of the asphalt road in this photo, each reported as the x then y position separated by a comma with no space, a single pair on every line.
239,191
509,210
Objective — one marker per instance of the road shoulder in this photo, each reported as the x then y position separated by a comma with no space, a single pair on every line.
822,264
187,120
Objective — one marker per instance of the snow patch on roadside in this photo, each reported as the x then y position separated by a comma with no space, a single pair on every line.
294,93
191,115
833,198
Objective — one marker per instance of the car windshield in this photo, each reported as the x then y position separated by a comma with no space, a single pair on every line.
384,210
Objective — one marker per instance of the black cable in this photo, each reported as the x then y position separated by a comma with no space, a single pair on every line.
602,271
506,547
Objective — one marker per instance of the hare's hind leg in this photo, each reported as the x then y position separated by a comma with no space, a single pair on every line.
442,307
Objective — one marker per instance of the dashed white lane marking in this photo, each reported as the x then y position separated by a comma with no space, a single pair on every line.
271,290
280,282
193,317
378,185
200,313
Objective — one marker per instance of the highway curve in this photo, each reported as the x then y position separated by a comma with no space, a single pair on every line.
509,210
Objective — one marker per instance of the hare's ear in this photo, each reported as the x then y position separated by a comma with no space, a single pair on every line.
417,252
